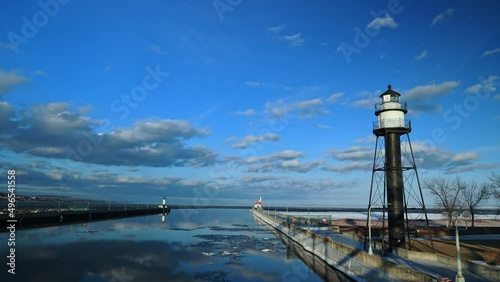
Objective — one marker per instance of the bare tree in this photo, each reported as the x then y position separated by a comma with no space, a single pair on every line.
446,193
495,182
473,194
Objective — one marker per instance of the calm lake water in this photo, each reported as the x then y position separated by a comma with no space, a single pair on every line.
191,245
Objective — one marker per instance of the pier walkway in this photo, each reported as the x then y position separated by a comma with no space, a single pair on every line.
390,267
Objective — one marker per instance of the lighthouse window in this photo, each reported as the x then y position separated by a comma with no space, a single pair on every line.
394,98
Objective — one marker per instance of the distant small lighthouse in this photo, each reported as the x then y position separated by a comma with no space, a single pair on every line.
389,166
258,204
164,206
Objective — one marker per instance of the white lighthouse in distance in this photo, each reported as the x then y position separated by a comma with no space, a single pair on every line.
164,205
258,204
165,210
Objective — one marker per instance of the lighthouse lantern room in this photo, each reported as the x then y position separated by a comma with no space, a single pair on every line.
391,113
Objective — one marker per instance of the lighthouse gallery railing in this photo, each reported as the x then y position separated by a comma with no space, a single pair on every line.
390,105
391,123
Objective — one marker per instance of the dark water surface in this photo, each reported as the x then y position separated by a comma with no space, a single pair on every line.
191,245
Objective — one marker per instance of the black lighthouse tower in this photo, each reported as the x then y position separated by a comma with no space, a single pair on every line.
394,171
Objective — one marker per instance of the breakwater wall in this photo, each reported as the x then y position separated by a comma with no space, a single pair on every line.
26,220
478,268
322,269
355,263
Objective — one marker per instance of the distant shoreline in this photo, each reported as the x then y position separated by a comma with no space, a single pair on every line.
104,205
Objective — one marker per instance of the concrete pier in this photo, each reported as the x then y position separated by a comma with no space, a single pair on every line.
353,262
63,217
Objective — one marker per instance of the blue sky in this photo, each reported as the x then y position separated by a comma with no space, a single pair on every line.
219,102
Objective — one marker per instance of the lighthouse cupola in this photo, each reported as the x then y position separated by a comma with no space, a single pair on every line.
391,111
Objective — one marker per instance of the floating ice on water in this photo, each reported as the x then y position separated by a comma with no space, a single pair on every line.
207,254
267,250
228,253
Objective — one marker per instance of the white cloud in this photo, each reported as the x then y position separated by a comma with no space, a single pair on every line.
423,92
352,153
290,163
306,167
421,55
274,85
309,103
295,40
7,112
335,97
433,157
368,99
364,166
247,112
284,155
380,22
442,16
55,131
474,88
490,52
245,142
277,109
9,80
367,139
283,161
466,156
70,182
257,178
40,72
253,83
309,109
323,126
487,85
367,103
416,95
276,29
470,167
426,157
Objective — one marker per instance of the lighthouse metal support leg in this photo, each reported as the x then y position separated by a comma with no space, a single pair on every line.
407,219
368,225
421,194
384,212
